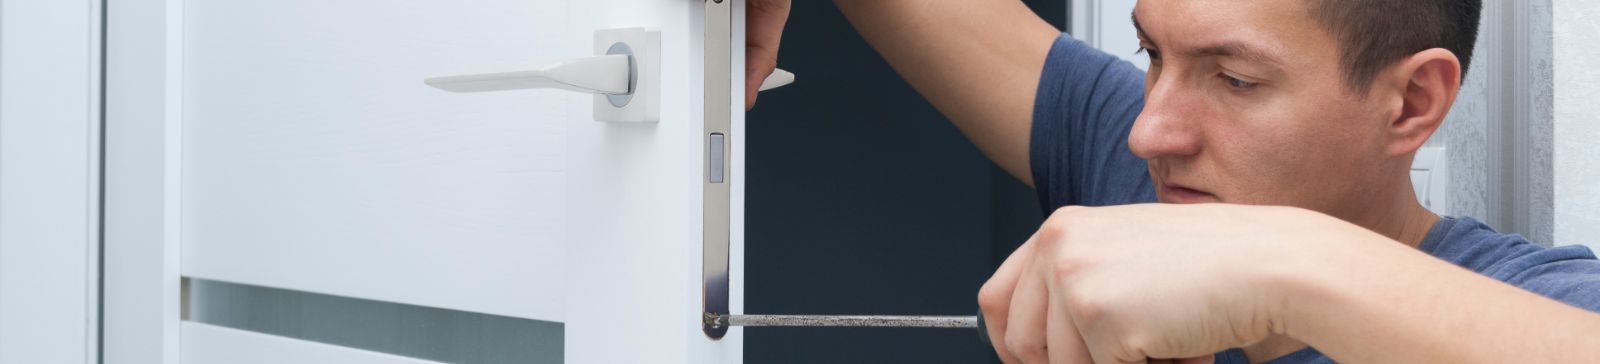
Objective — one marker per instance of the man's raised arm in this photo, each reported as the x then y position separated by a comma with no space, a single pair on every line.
977,61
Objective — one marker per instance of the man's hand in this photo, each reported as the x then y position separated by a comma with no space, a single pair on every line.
1132,284
764,23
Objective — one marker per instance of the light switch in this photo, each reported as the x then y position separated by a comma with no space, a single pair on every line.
1430,178
1419,184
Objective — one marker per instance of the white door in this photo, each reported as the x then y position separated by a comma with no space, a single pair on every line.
325,205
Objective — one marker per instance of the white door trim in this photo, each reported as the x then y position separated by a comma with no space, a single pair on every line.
1517,42
49,180
143,112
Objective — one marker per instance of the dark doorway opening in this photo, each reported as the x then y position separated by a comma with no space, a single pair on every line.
863,199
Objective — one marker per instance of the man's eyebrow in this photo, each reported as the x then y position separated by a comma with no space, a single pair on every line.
1140,29
1237,50
1226,49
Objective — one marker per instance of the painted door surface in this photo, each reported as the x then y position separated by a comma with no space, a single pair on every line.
315,160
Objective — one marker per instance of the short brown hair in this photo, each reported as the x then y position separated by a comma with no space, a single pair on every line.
1374,34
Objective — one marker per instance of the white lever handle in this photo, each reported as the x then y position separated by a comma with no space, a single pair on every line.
625,76
778,78
608,74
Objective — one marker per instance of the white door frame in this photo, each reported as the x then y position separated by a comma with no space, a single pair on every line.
1519,90
49,180
1083,20
143,111
1107,25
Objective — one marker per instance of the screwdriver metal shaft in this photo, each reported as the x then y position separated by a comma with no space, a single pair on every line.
945,322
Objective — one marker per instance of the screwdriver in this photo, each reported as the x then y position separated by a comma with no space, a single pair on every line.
934,322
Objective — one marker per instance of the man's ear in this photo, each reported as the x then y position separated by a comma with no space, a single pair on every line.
1430,81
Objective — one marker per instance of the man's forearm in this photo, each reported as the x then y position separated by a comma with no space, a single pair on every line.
977,61
1385,302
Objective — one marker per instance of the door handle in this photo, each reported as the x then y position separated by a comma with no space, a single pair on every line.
624,75
608,74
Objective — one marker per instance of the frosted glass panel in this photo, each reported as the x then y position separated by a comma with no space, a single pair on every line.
394,328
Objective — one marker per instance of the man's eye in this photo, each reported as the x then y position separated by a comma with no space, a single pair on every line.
1238,83
1155,55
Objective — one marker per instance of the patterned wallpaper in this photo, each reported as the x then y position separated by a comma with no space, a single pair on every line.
1540,122
1463,133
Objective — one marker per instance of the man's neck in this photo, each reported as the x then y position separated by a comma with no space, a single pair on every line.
1406,221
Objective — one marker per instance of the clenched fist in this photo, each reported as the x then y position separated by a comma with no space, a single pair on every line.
1133,284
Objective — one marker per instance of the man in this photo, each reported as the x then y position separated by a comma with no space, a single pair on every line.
1316,105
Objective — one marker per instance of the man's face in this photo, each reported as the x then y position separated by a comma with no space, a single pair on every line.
1246,103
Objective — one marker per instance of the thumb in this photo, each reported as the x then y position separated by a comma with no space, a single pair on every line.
764,22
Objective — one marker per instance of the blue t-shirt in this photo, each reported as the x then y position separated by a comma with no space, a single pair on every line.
1087,102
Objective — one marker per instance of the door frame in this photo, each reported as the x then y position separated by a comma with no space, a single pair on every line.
50,152
1519,90
143,145
1083,20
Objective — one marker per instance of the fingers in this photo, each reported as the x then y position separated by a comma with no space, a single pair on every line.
1105,344
764,22
1064,343
995,298
760,61
1025,331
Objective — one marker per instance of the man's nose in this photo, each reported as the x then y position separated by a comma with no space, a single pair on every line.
1169,126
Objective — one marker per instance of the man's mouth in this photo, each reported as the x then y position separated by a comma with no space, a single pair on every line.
1172,193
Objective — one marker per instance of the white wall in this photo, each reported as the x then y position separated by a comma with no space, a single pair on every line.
1577,131
49,150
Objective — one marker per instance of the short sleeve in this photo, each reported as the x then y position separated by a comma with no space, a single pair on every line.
1568,274
1083,112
